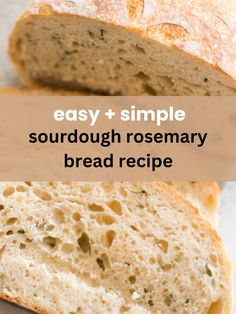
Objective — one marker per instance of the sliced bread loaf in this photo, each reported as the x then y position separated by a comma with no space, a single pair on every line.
106,248
129,47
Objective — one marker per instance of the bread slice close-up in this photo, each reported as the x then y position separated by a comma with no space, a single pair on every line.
127,47
109,248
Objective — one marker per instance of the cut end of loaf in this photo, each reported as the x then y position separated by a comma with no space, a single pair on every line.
108,59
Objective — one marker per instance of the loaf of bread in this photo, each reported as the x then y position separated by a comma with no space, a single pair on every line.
129,47
107,248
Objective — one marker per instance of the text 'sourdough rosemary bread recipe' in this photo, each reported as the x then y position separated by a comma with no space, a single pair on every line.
129,47
109,248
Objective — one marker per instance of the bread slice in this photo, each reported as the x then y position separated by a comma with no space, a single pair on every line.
106,248
129,47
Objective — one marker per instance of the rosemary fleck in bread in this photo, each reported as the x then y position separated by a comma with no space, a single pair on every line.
106,248
129,47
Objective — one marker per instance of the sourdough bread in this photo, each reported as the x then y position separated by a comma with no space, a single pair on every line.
129,47
109,248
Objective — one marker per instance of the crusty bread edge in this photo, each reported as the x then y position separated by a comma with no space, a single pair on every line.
228,296
24,304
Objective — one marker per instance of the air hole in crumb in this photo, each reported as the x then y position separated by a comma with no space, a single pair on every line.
73,67
21,231
121,42
1,207
132,280
9,232
108,220
139,49
96,208
75,44
78,227
216,307
124,309
127,62
141,75
195,226
100,263
8,191
58,216
109,238
67,248
152,260
22,246
122,51
107,187
213,259
49,227
168,300
21,188
84,243
11,221
116,207
28,183
43,195
76,216
149,90
85,189
163,245
50,242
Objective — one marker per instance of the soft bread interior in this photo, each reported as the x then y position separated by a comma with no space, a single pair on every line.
109,248
87,53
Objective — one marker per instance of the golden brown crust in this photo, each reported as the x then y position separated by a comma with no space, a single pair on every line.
211,36
217,242
24,303
209,192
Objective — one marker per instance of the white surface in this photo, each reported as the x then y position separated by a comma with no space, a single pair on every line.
10,10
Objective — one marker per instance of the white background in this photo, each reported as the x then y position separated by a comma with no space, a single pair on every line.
9,11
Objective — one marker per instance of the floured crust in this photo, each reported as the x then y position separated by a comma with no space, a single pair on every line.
210,37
